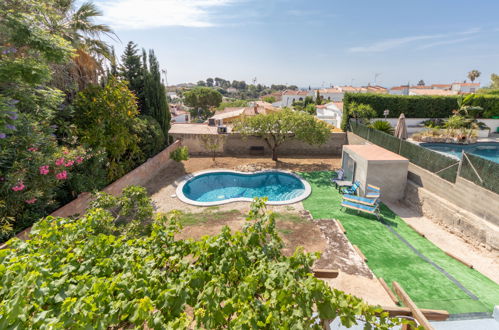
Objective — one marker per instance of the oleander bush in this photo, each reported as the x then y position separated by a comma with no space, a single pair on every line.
121,266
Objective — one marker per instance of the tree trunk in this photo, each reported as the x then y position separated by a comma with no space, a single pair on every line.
274,154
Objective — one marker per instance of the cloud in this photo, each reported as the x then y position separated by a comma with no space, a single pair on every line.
444,42
146,14
389,44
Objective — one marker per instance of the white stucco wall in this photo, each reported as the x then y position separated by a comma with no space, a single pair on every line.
413,122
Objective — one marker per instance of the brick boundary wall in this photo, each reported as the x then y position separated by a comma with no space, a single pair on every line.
137,176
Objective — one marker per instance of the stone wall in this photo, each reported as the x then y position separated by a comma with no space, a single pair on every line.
236,145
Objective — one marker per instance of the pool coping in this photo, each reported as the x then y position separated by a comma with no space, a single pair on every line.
180,195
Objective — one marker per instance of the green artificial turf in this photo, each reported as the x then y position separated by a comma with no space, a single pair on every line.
389,258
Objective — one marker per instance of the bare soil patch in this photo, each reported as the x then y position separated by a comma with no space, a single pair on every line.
296,230
339,252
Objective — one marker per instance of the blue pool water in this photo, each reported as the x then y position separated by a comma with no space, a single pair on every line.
220,186
487,150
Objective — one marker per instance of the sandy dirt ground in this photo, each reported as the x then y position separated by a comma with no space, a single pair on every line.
162,187
486,262
317,236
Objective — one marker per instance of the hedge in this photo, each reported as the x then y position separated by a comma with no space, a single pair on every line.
417,106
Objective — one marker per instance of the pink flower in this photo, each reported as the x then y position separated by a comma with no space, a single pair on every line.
30,201
33,149
70,163
20,186
59,161
79,159
62,175
65,152
44,170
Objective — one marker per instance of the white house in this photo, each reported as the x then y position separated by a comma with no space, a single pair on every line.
431,91
399,90
465,88
330,94
181,117
288,97
331,113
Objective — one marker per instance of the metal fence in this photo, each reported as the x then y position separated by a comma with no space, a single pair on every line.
444,166
481,171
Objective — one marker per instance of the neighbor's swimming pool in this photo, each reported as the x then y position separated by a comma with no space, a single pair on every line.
220,187
487,150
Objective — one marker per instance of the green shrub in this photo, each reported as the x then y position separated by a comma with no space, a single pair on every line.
382,125
151,137
417,106
180,154
105,117
361,111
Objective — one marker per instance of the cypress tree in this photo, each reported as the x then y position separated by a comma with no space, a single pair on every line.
156,104
144,77
132,71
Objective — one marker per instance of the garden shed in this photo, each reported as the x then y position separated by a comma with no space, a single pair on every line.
371,164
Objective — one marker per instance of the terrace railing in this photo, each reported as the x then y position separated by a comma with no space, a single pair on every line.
480,171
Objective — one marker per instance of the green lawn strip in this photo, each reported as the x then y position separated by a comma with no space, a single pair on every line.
480,285
394,261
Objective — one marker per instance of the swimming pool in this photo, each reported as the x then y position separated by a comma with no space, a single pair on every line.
487,150
224,186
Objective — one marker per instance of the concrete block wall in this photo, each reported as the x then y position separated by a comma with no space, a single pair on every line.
457,220
236,145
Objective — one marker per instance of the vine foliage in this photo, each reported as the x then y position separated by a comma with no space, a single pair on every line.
121,266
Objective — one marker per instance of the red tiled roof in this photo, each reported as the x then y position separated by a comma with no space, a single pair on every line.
467,84
329,91
442,85
289,92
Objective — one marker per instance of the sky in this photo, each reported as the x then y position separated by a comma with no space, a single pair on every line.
311,42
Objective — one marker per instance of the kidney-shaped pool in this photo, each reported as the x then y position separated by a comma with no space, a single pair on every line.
224,186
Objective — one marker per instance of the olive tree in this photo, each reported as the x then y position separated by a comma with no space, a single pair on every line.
277,127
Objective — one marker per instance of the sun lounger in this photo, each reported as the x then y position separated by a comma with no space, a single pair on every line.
360,200
362,208
350,190
372,191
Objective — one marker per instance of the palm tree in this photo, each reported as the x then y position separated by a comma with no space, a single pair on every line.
473,74
78,27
